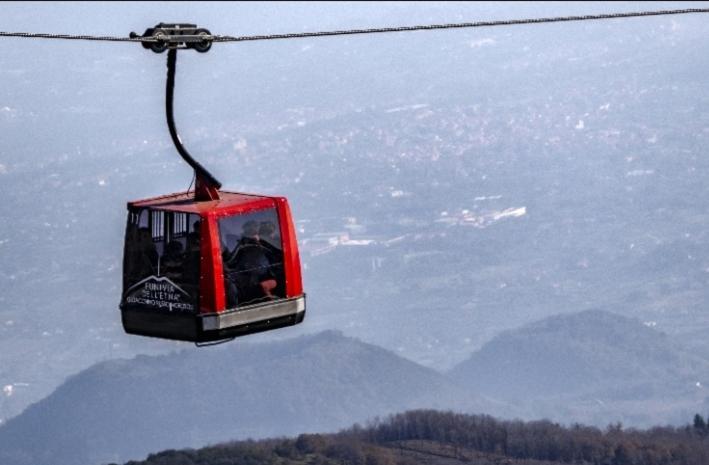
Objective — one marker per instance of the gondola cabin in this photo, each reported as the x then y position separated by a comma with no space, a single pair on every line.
207,265
208,270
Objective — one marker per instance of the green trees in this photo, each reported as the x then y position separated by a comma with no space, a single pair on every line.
545,440
438,437
700,426
310,443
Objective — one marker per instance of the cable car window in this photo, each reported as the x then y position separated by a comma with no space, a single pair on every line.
161,265
179,224
252,258
157,222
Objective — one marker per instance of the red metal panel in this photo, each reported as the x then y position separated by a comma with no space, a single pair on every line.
212,297
179,197
291,256
229,203
211,284
254,204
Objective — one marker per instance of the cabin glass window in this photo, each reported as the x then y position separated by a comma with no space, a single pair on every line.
252,257
161,265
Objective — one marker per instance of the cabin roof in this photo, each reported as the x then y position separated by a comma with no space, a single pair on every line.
228,203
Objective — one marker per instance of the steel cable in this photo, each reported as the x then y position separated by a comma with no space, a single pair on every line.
509,22
426,27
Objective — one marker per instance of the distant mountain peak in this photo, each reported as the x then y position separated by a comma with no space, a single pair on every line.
593,354
312,383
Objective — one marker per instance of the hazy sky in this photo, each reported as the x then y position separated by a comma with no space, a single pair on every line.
82,130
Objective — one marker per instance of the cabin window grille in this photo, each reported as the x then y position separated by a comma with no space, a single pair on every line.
133,218
157,225
179,224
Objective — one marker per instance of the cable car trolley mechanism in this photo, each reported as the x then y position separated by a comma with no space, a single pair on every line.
207,265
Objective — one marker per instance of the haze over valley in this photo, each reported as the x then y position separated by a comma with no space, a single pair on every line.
509,221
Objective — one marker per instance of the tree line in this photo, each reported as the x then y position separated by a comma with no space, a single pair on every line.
545,440
402,439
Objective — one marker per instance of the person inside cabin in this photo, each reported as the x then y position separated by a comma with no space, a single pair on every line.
250,269
269,240
230,276
192,263
173,262
147,261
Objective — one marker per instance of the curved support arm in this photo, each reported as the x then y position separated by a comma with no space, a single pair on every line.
206,186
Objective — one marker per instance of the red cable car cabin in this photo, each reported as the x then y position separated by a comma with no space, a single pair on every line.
207,265
207,270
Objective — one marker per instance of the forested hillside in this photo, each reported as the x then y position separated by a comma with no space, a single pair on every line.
594,367
123,409
433,437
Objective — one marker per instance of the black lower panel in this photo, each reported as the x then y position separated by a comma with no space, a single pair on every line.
162,325
188,327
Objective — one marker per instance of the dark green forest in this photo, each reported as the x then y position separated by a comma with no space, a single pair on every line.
435,437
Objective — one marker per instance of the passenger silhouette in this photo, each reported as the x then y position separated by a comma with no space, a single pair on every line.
172,262
269,240
146,262
250,269
192,264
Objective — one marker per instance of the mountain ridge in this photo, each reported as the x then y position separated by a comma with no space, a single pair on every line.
123,408
585,358
593,366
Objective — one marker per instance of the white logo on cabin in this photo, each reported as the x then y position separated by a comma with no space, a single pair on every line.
159,292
